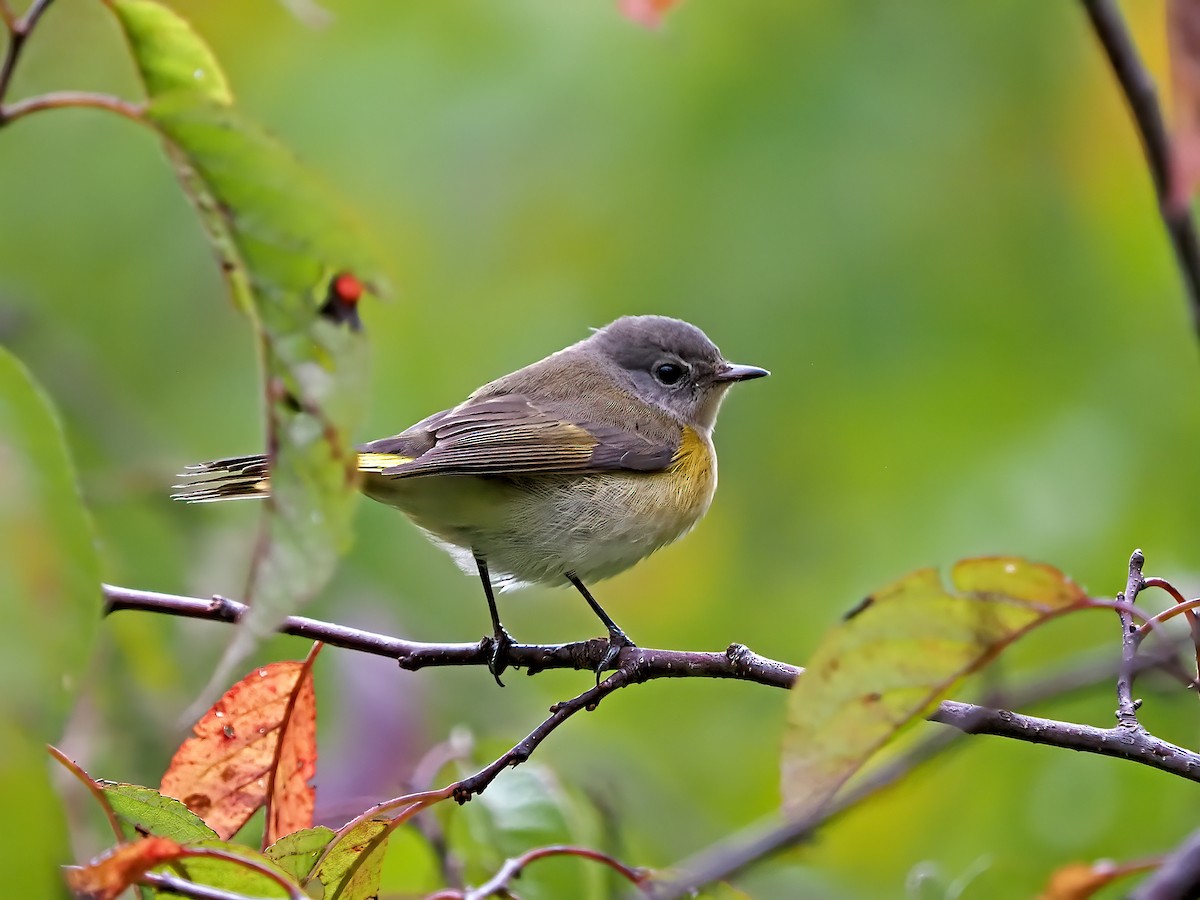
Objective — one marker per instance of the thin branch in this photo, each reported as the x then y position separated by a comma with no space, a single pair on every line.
498,884
72,100
1131,639
1178,876
634,666
732,855
18,33
735,662
1121,742
181,887
1141,95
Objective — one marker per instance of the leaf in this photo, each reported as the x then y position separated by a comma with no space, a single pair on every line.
354,866
281,241
107,876
897,655
50,585
647,13
181,60
299,851
146,811
1080,881
222,772
48,563
291,797
1183,44
230,876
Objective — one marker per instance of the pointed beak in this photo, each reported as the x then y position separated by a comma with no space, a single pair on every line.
733,372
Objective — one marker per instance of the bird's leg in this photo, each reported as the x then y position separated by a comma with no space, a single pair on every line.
617,639
501,640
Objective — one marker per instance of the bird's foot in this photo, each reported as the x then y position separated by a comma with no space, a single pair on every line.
502,643
617,641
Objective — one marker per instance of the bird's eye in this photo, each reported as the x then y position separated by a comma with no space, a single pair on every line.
668,372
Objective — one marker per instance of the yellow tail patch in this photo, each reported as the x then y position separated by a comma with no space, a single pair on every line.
377,462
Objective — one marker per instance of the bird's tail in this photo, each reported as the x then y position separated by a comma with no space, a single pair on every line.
233,478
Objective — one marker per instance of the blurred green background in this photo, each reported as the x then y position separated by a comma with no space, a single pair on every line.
930,221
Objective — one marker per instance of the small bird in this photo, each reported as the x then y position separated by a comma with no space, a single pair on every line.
569,470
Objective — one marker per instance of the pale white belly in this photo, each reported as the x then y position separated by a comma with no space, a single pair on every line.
538,528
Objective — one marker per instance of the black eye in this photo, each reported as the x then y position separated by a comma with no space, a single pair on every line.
668,373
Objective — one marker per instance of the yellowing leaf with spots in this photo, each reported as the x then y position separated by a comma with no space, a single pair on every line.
257,743
898,654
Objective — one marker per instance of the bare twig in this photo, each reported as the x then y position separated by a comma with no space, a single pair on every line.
181,887
732,855
735,661
18,33
1134,744
1187,607
1178,876
1141,95
498,884
639,664
71,100
1131,639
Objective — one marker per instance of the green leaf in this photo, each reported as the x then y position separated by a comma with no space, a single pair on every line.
230,876
171,56
354,866
146,811
51,601
280,239
899,654
298,852
49,573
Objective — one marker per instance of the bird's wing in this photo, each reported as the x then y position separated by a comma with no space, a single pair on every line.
510,434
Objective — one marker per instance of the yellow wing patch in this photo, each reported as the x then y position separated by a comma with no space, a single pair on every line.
377,462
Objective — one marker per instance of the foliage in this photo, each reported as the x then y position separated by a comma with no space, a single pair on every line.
805,181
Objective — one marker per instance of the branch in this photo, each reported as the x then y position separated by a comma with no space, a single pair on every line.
181,887
732,855
1141,95
735,661
1131,639
71,100
18,33
639,664
498,884
1178,876
1122,742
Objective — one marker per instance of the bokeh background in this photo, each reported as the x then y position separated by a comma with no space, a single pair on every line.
930,221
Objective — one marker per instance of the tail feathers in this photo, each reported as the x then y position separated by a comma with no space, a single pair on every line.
234,478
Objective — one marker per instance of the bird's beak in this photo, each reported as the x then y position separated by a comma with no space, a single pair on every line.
733,372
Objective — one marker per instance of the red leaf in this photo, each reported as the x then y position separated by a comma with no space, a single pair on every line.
108,875
224,771
291,797
648,13
1183,42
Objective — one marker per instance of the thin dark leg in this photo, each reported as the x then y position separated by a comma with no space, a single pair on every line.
500,638
617,638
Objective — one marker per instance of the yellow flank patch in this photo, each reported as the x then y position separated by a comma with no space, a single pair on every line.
377,462
693,465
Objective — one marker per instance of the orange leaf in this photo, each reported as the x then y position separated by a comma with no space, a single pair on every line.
1081,881
108,875
1183,42
648,13
222,772
290,798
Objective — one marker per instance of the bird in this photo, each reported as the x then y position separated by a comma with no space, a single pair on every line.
567,471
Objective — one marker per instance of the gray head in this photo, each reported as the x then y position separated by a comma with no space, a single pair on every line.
673,365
